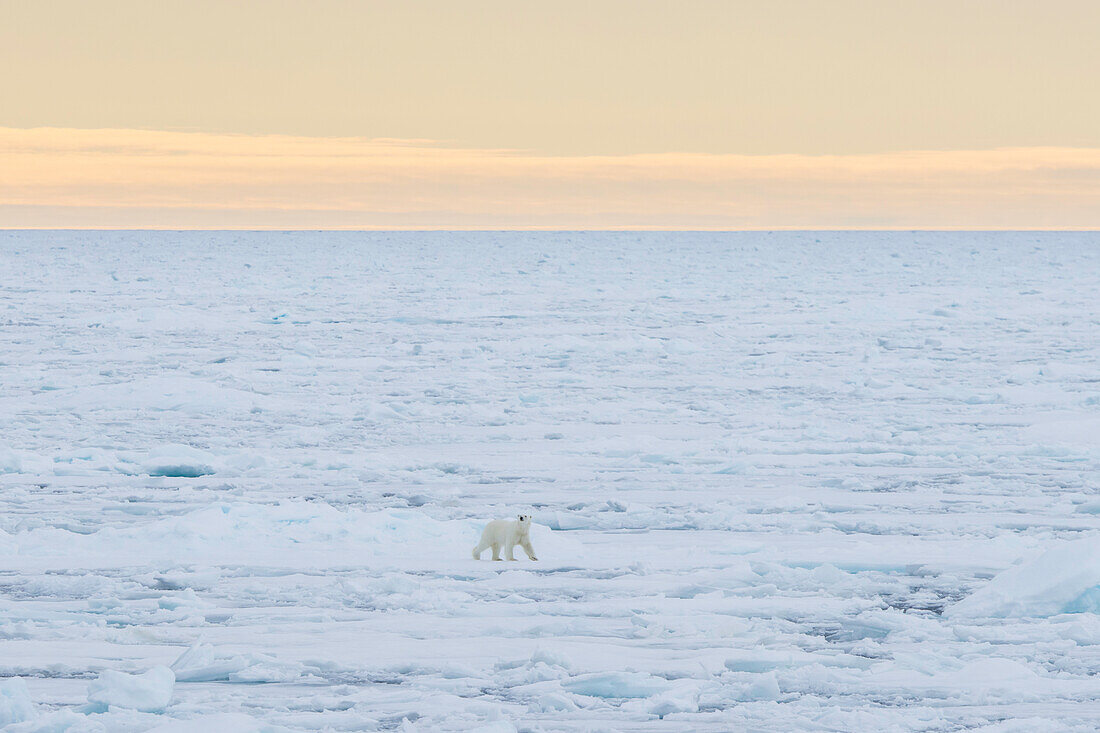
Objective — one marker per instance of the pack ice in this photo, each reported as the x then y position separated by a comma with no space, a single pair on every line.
780,481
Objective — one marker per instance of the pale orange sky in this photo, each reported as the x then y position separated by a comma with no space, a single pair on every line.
572,115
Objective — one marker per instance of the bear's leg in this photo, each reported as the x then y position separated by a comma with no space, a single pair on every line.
508,549
479,549
496,551
526,545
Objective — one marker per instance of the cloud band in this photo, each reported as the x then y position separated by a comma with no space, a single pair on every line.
54,177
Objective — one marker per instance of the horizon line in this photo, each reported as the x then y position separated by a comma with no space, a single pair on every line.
157,180
639,228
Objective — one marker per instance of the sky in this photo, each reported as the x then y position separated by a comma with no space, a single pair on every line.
598,114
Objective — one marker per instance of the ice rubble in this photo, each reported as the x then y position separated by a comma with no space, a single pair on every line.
1064,579
15,702
9,460
149,692
205,663
181,461
617,685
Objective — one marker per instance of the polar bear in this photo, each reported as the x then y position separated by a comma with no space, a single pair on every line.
506,533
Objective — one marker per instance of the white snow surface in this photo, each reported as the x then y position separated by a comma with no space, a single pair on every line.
781,481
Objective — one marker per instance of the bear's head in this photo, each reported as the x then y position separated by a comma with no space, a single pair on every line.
525,522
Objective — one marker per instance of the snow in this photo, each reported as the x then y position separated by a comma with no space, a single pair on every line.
217,723
780,481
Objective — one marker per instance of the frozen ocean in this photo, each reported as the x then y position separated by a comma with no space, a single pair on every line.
820,481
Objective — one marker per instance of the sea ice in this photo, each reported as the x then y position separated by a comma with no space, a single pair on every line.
1064,579
180,461
15,702
148,692
217,723
780,480
616,684
9,461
